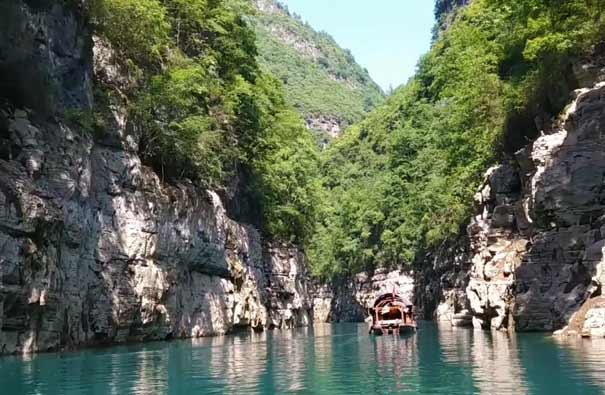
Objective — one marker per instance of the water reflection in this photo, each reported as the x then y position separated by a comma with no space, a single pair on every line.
491,358
322,346
496,365
396,359
326,359
588,357
290,352
150,371
233,363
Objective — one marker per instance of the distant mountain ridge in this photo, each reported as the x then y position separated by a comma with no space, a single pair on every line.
323,81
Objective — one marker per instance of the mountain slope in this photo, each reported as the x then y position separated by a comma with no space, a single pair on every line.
402,181
322,80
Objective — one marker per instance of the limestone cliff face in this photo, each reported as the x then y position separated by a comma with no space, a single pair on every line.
94,248
535,244
441,281
539,241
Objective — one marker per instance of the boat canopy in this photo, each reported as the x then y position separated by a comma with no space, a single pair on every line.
390,299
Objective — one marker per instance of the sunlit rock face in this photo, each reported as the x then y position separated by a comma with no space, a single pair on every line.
532,256
269,6
331,126
289,291
371,286
94,247
538,235
594,322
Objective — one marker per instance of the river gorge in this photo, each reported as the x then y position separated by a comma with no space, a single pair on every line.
237,268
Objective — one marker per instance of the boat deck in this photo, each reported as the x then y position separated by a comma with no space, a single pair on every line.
391,314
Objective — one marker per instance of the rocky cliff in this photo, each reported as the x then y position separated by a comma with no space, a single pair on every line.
535,244
440,283
94,247
44,47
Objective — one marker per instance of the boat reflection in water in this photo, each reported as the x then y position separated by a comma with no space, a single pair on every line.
396,360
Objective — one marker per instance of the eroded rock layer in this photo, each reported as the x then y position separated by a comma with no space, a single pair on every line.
534,254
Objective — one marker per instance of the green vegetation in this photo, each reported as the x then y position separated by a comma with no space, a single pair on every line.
87,121
206,111
397,183
321,79
402,181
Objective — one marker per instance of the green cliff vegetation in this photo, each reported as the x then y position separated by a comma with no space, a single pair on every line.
204,96
206,111
402,181
322,80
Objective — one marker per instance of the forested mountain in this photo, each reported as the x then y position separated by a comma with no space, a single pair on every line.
322,80
402,181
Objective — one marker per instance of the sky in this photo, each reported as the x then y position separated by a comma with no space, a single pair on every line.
386,36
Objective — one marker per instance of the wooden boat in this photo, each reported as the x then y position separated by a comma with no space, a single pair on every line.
392,314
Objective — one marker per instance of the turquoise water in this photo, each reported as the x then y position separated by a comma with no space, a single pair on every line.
329,359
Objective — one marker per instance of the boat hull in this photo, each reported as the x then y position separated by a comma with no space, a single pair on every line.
406,329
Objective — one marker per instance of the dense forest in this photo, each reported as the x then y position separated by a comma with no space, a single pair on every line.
397,183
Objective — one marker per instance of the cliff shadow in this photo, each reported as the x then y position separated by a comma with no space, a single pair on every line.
441,278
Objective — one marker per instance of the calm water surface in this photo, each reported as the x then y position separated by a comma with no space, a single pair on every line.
329,359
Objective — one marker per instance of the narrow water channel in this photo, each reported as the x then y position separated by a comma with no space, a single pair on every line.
327,359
